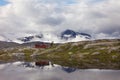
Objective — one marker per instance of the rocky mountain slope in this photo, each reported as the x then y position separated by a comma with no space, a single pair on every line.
70,34
102,54
4,44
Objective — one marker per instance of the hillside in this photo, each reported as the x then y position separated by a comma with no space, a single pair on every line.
4,44
102,54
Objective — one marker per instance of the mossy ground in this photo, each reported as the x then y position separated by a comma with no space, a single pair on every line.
102,54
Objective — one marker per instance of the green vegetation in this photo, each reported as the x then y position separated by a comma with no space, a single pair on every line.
102,54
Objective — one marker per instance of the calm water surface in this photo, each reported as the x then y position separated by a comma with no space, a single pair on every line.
20,71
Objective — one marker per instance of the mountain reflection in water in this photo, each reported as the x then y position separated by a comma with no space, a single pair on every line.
27,71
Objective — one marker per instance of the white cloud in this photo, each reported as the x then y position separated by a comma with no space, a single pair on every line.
89,16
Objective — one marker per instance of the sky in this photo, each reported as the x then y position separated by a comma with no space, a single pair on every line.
3,2
99,18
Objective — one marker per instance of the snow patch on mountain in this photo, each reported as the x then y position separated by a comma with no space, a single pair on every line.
2,38
63,37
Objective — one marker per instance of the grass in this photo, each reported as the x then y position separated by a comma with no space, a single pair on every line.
74,55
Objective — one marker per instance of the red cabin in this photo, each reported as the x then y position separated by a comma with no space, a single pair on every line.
40,46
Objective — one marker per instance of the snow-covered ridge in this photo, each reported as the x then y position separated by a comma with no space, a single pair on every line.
65,36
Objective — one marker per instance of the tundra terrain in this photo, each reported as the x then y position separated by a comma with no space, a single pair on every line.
100,54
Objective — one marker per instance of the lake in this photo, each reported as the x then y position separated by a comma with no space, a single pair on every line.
28,71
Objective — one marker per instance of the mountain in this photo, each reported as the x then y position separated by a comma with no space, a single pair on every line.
68,34
30,38
4,44
65,36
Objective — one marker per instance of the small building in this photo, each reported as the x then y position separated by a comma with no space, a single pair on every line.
41,46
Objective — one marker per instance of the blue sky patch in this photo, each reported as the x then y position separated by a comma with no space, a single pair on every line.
3,2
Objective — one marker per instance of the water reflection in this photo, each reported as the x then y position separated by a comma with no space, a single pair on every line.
68,70
28,71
